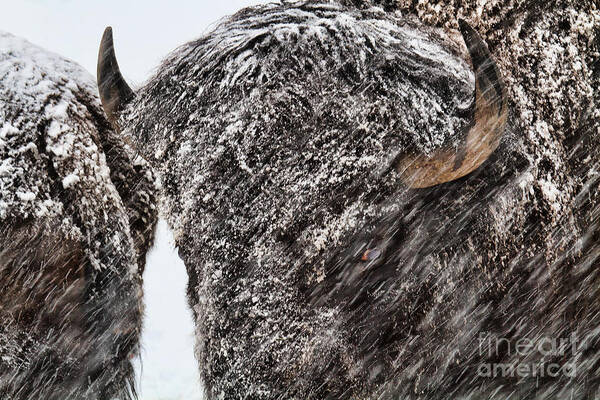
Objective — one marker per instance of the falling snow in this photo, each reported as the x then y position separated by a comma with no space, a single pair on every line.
314,272
77,215
277,177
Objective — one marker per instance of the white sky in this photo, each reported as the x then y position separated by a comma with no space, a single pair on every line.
144,33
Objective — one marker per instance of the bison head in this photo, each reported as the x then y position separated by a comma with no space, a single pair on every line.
338,188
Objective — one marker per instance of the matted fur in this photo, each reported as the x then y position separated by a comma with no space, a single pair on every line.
275,136
77,215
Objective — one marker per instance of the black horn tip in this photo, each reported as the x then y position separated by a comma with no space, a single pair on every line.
107,37
484,66
470,35
106,56
477,47
113,89
463,26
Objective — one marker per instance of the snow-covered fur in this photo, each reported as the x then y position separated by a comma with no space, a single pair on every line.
77,216
314,272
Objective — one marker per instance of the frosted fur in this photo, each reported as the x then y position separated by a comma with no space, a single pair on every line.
275,137
73,200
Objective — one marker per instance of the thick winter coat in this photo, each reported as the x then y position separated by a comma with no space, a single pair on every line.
317,268
77,215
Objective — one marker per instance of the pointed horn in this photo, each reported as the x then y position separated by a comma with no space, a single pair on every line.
485,132
114,91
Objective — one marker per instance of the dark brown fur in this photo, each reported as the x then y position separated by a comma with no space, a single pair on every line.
42,296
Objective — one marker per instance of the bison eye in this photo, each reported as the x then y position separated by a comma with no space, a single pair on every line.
371,254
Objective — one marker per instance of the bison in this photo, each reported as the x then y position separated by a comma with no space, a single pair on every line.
77,216
367,208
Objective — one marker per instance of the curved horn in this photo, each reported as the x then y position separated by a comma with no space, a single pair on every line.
114,91
490,114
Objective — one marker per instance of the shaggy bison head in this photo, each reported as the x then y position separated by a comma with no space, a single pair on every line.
350,215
